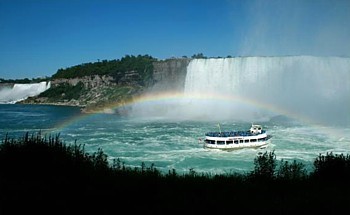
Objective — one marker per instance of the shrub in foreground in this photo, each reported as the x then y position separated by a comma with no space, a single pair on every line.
44,175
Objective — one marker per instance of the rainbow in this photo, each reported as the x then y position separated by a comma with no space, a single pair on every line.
179,96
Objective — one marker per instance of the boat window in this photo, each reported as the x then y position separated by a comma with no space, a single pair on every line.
229,142
236,141
210,141
246,141
219,142
241,141
253,140
262,139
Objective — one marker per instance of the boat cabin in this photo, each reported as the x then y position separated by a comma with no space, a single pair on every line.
254,137
256,129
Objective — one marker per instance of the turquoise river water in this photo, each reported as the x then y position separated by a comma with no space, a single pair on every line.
170,143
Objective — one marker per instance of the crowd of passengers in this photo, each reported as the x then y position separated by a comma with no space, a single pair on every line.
230,133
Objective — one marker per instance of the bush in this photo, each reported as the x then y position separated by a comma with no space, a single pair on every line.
291,171
265,165
64,92
332,167
39,174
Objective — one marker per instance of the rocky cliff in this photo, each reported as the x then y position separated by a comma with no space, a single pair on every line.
170,74
6,85
94,93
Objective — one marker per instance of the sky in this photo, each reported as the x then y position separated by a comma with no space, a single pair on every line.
38,37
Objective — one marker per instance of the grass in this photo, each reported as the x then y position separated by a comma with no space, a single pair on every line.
45,175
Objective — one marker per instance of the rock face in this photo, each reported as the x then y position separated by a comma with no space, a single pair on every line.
96,92
170,74
6,85
88,81
89,92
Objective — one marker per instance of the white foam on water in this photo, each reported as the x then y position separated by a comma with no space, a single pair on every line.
20,92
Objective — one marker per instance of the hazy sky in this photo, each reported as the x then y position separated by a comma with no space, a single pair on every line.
37,37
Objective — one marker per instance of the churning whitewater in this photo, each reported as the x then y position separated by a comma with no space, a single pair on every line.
302,101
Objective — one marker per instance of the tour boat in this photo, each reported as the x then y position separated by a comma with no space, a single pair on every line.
255,137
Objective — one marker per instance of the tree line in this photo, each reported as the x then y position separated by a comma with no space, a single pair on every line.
24,80
142,64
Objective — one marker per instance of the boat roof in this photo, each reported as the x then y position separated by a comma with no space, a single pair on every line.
232,133
250,132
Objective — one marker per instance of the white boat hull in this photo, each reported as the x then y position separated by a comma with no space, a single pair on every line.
237,142
236,146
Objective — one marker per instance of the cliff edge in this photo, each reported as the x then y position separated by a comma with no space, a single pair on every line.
95,93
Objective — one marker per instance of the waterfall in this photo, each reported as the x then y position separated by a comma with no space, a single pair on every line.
20,92
317,88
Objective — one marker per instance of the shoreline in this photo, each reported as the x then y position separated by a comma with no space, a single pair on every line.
83,108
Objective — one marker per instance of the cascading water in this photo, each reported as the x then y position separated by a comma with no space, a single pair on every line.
22,91
316,88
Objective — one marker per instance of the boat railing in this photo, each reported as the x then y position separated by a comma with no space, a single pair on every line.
231,133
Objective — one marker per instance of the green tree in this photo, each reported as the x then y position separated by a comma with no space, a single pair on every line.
332,167
199,56
264,166
291,171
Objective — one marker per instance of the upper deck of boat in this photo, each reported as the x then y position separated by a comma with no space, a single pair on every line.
232,133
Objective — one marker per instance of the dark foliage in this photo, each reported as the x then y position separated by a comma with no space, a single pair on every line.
142,64
291,171
64,91
332,167
24,80
265,166
44,175
199,56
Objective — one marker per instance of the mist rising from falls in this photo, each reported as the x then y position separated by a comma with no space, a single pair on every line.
20,92
313,88
252,89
